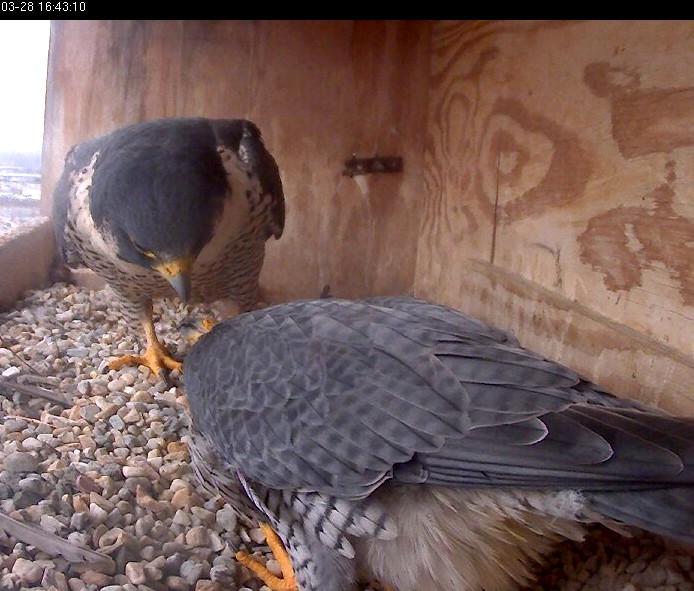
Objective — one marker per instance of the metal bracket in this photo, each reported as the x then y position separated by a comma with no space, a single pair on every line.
355,166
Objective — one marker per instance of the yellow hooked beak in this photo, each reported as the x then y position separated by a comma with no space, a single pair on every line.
178,273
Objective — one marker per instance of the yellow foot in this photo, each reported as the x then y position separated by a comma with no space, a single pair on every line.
158,359
288,581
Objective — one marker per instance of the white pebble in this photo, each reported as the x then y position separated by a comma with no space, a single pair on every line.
257,535
29,571
135,571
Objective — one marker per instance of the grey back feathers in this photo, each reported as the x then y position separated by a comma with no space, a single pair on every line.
343,398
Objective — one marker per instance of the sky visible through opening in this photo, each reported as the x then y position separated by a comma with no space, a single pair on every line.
23,65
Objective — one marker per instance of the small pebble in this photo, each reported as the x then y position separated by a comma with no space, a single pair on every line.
257,535
20,461
28,571
191,571
135,571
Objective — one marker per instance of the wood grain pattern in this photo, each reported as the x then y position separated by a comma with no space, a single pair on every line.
345,88
563,153
319,90
548,178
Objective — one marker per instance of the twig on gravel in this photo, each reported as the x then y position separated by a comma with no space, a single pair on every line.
8,386
19,359
30,533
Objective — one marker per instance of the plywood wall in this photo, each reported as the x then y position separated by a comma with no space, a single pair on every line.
320,91
560,193
549,166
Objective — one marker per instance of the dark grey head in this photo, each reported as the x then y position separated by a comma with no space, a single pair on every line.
158,187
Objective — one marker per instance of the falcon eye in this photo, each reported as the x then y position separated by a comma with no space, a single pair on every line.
148,253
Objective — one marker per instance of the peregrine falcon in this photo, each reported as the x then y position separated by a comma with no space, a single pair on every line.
397,440
170,206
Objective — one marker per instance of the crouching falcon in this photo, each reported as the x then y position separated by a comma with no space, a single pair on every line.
396,440
170,206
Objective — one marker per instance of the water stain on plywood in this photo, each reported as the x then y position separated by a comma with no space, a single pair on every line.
623,242
644,120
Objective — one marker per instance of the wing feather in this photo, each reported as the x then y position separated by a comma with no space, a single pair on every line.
359,392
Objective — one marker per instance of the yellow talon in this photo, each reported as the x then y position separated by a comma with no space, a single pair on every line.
157,360
288,580
156,356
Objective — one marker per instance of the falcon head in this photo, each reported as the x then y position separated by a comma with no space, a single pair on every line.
157,191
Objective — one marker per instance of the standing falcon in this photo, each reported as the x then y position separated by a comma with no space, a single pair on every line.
398,440
170,206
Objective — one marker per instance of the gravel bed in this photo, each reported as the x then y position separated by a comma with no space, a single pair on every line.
108,470
96,490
